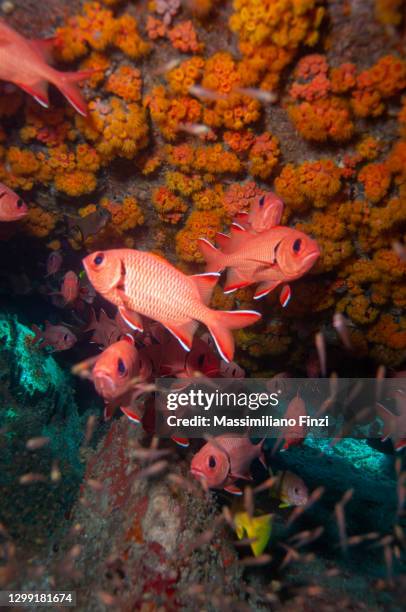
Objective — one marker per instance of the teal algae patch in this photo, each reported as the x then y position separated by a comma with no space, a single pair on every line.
37,370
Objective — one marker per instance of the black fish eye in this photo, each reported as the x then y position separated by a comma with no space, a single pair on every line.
261,201
65,337
200,361
296,490
121,366
212,461
98,259
297,244
233,372
20,203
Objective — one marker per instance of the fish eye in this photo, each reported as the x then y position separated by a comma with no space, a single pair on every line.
297,245
296,490
66,337
233,372
20,203
200,361
121,367
98,259
212,461
261,201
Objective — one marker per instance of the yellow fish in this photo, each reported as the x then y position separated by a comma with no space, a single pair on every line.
258,527
290,489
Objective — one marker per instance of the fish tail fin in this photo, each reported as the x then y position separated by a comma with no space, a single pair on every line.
214,257
67,84
221,324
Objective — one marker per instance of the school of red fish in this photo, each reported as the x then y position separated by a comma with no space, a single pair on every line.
159,308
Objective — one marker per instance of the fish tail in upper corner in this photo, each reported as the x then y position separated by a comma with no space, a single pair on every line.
214,257
66,82
221,324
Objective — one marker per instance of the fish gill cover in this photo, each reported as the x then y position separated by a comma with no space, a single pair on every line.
201,156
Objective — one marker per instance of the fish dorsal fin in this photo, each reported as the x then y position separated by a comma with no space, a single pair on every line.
183,332
223,241
235,281
238,236
205,284
44,47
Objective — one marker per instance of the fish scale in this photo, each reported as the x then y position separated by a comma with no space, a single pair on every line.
143,290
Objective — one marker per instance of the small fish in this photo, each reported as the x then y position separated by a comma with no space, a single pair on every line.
341,325
139,282
54,263
25,63
394,424
256,528
87,226
208,94
271,258
37,443
223,460
290,489
170,65
400,250
12,207
320,343
70,287
195,129
58,337
267,97
295,433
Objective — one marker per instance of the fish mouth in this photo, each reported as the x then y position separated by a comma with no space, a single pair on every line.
311,258
197,473
104,385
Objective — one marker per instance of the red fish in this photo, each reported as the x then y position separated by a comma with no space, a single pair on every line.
224,460
143,283
113,372
59,337
54,263
275,256
25,63
70,287
12,207
296,433
265,213
227,370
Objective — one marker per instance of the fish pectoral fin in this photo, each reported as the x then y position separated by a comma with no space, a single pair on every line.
264,288
132,318
44,47
39,91
285,295
233,489
183,442
183,332
246,476
205,284
235,280
131,415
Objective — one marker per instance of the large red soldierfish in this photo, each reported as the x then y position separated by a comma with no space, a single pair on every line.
113,372
143,283
272,257
25,63
223,460
12,207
